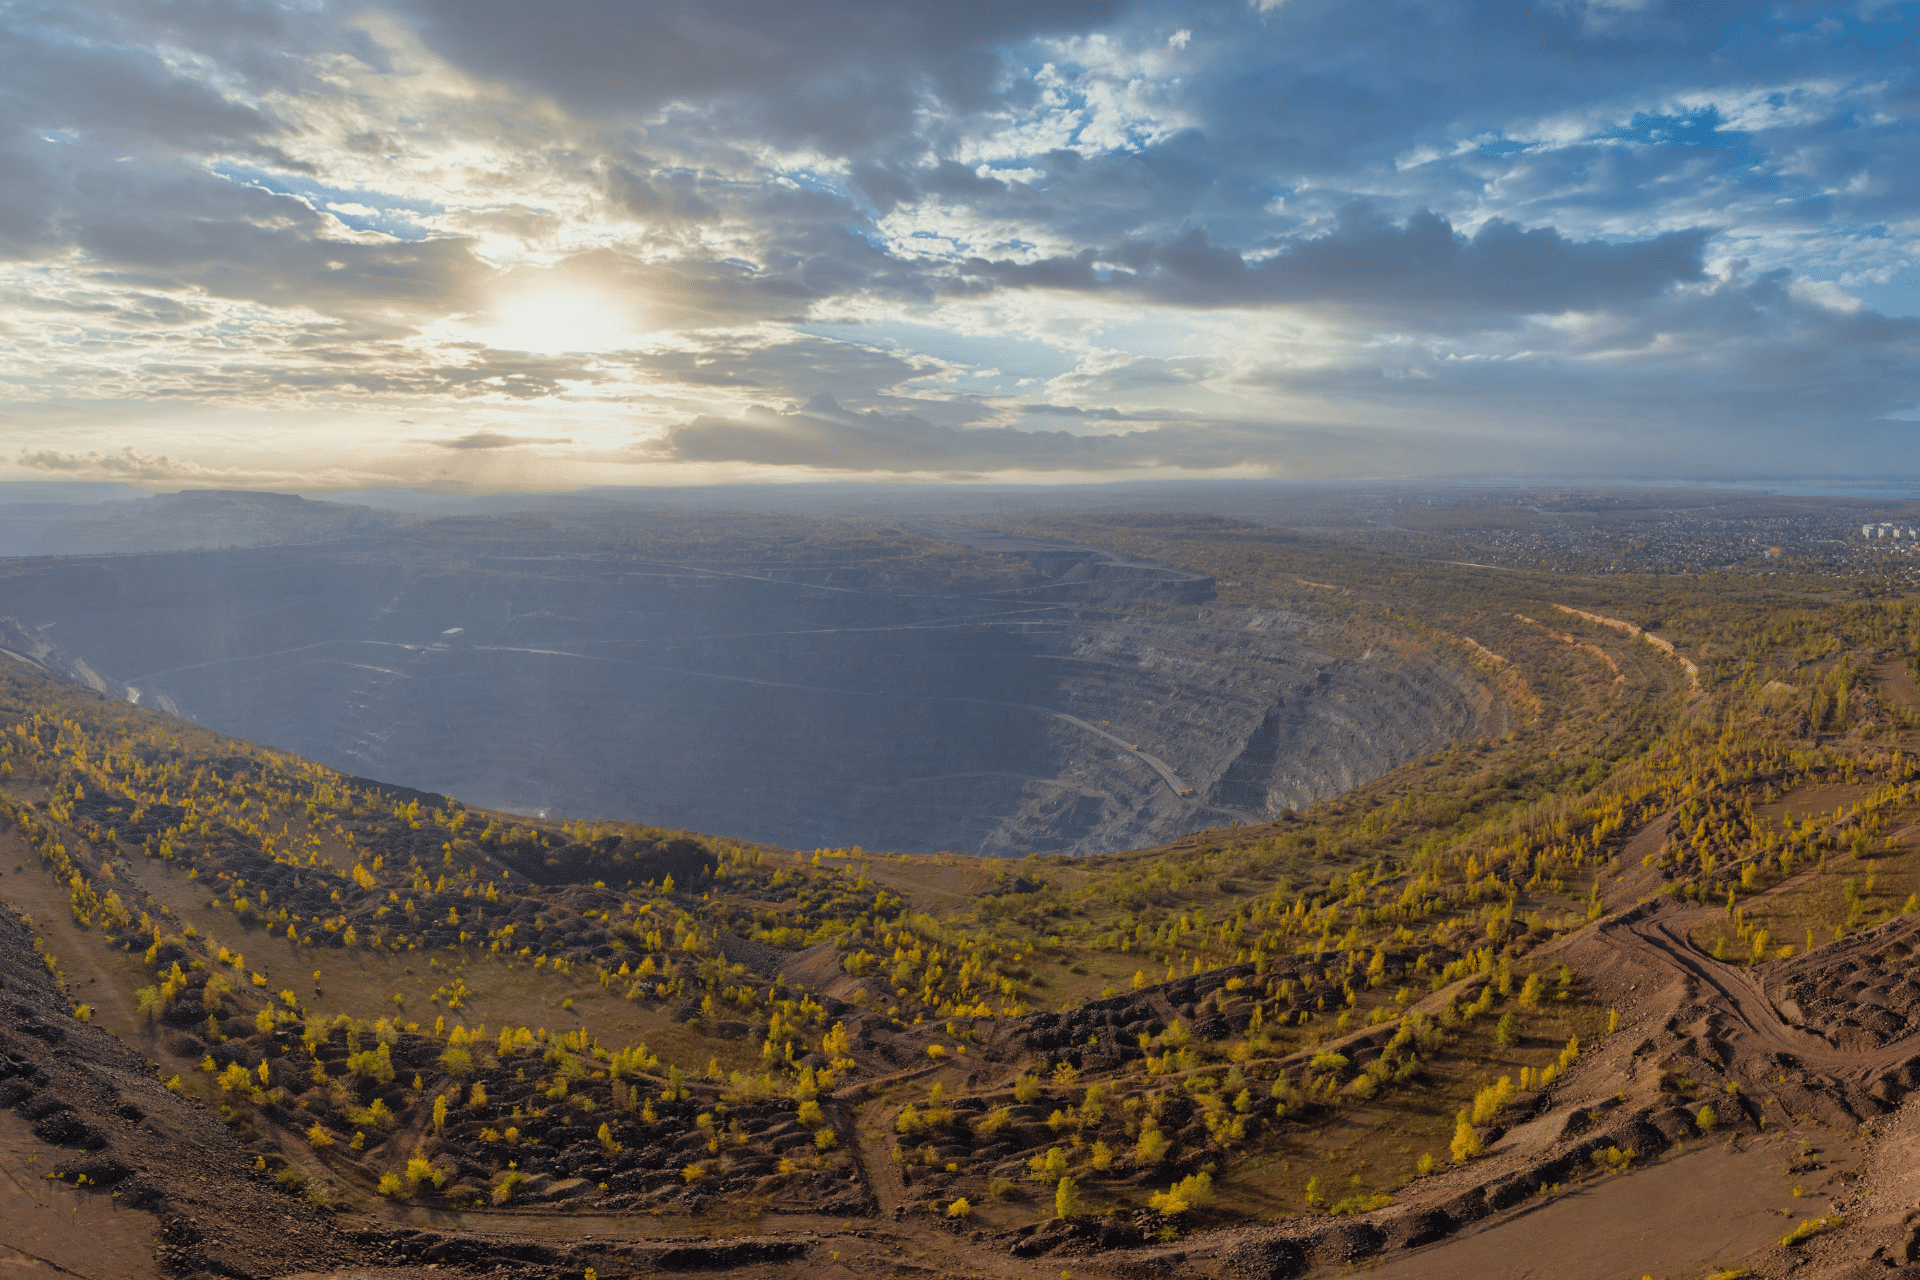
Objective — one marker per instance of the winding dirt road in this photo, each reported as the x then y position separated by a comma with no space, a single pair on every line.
1657,935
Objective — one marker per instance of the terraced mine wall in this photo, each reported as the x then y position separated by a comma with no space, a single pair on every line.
1062,702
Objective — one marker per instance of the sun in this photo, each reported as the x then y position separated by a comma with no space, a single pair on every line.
559,321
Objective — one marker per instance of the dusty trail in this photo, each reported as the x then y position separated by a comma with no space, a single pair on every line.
1657,935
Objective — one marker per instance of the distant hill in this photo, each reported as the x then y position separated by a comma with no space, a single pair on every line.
34,523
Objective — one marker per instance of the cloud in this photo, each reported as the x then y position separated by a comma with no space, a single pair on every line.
836,74
826,440
824,437
129,465
1422,270
1741,371
495,440
1204,232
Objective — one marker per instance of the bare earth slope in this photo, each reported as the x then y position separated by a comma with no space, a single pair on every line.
172,1175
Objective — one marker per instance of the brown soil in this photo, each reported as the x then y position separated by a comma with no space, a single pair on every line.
1706,1207
153,1163
51,1228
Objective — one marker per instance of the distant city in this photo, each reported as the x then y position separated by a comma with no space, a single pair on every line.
1561,533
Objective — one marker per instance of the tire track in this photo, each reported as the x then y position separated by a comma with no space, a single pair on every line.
1656,934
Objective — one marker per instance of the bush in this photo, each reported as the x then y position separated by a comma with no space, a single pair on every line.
318,1138
379,1114
1192,1192
1001,1188
375,1064
1048,1167
1506,1033
1027,1090
1152,1147
1466,1143
420,1169
994,1121
1614,1159
960,1209
1488,1102
1347,1206
1810,1228
1705,1119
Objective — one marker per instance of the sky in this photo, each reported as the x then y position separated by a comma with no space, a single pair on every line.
481,245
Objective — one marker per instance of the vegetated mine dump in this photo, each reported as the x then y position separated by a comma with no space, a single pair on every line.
1620,989
807,682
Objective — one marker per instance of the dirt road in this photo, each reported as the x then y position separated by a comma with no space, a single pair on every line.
1749,1023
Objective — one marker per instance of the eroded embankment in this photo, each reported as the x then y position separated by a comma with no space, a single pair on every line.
151,1169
